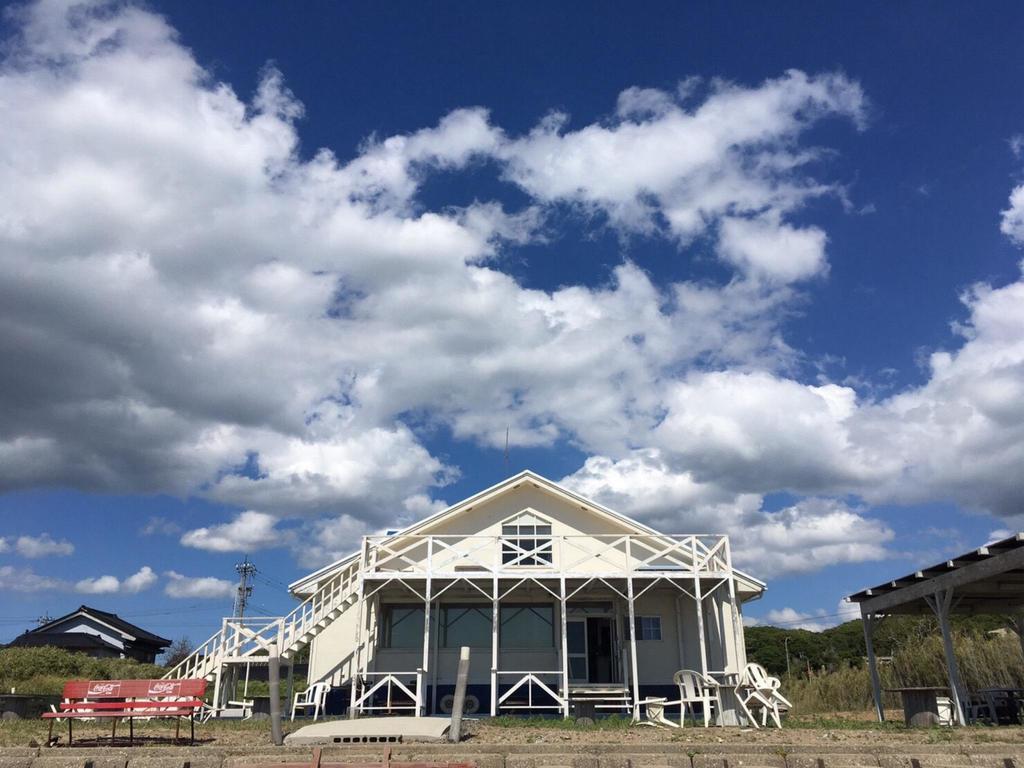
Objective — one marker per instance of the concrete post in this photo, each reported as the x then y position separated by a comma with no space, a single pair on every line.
274,676
459,703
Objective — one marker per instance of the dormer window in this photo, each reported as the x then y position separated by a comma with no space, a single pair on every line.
526,540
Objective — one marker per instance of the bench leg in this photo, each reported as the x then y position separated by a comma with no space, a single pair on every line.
131,731
49,735
177,729
70,719
113,731
192,720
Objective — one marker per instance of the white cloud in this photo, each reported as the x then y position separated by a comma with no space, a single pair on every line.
202,587
279,333
814,621
249,531
28,581
811,534
4,545
157,525
732,157
101,585
181,243
42,545
141,580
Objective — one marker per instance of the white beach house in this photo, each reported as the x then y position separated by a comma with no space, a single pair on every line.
561,600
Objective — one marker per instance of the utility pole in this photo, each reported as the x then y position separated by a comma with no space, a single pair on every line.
246,570
786,642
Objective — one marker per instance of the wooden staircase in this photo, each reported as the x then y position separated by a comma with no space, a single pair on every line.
245,640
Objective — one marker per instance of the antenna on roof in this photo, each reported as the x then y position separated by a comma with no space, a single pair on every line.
506,449
44,619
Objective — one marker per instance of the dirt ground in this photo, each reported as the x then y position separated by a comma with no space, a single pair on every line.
837,729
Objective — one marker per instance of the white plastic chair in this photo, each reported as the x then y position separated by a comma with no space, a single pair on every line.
695,688
757,689
313,697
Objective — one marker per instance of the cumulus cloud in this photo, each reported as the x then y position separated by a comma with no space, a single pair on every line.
27,581
249,531
101,585
814,621
4,545
42,545
806,536
201,587
179,243
280,333
139,581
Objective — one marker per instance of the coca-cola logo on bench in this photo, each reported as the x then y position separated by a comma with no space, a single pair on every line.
164,688
103,688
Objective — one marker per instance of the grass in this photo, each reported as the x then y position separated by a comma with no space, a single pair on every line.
612,723
22,733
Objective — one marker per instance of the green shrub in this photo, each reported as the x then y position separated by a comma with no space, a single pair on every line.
45,670
917,660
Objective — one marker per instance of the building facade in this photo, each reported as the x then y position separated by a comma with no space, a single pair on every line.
559,599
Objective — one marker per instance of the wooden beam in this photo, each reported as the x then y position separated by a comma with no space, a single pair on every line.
959,577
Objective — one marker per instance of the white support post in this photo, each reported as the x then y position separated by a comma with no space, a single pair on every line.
868,621
360,618
739,642
679,630
494,638
940,603
699,602
632,632
433,660
565,647
421,678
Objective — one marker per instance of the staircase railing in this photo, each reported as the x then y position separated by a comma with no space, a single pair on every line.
250,636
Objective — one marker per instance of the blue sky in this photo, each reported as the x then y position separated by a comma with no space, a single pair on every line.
277,276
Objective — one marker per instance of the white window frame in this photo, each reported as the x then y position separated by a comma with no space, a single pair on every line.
640,635
536,559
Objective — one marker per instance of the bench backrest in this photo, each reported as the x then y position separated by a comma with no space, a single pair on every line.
97,690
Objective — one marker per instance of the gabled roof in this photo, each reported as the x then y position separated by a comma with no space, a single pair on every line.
487,494
73,640
126,629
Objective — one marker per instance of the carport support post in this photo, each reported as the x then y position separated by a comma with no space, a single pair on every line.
940,603
868,620
274,678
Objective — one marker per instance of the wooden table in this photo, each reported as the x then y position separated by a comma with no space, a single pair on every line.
1009,698
920,704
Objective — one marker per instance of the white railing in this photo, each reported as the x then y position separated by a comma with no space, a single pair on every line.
575,555
250,637
532,684
389,683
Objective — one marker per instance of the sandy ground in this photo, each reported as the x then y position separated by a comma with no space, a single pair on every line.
852,729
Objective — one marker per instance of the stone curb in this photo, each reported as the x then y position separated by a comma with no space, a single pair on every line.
1009,755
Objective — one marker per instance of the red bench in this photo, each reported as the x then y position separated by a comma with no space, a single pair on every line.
120,699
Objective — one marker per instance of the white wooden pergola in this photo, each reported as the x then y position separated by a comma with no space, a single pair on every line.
987,580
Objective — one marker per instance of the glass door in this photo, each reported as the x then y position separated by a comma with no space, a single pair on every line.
576,641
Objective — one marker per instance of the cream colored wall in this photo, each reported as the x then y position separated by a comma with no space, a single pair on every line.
657,660
485,520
